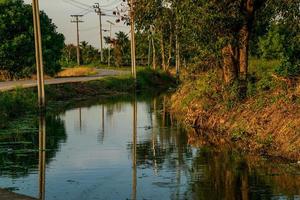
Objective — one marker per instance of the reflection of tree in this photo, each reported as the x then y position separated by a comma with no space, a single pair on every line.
210,174
167,146
228,175
19,151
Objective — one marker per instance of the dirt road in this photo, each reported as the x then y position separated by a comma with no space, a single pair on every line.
10,85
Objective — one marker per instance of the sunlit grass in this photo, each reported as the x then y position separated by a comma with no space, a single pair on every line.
77,71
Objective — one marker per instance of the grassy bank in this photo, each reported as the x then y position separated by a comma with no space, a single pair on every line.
20,102
266,121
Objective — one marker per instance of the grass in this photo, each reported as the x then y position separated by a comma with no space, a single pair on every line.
261,67
77,71
105,66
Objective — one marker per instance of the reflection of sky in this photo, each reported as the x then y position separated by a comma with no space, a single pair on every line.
60,11
87,168
96,165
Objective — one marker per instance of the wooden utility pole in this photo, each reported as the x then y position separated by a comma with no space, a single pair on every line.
133,52
77,21
110,38
38,53
99,13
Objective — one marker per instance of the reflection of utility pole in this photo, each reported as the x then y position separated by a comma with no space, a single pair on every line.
133,53
110,38
80,120
77,21
98,11
38,53
103,119
42,156
134,174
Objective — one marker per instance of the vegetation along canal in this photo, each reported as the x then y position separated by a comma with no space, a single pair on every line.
94,152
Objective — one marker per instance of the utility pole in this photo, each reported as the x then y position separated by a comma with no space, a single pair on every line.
133,54
77,21
99,13
109,46
38,53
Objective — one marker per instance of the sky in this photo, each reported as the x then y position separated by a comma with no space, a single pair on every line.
60,10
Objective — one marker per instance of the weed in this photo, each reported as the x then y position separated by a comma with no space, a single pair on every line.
238,133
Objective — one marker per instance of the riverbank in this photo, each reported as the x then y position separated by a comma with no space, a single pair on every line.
20,102
266,121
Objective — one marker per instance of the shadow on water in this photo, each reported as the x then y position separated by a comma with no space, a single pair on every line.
131,149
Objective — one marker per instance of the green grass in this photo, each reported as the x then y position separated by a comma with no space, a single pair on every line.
261,67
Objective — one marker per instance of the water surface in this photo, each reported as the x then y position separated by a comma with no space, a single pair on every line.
131,150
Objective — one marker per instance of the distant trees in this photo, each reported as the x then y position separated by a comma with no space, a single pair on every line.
120,48
17,52
89,54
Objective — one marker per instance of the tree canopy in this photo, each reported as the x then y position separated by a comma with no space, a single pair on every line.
17,52
223,34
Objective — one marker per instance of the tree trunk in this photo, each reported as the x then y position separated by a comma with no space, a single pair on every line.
244,37
177,55
230,70
243,52
170,50
153,55
162,48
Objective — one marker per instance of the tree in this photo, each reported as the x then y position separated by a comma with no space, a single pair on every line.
89,54
17,52
69,55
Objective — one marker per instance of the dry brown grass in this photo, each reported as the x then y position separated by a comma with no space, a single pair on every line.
266,124
77,71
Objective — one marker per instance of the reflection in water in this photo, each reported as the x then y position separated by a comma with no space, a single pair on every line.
134,140
144,147
42,156
102,132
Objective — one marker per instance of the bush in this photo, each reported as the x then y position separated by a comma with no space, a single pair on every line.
288,69
16,103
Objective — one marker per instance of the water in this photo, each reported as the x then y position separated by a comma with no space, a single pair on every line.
95,152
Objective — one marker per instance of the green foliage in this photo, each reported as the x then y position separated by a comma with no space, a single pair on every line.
271,45
15,104
17,52
282,42
288,68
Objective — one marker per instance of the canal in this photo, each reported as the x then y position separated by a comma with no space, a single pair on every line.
131,149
